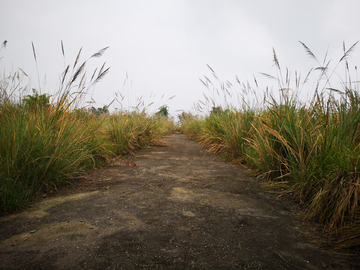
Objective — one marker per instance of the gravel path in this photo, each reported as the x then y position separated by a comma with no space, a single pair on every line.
174,207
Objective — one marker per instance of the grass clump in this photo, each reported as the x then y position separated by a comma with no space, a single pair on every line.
45,142
40,150
311,148
223,132
129,132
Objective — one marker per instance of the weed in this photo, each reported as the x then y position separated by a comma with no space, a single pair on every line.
45,143
311,148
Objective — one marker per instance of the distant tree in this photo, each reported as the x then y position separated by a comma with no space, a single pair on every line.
99,111
216,111
36,101
185,116
219,111
182,117
164,111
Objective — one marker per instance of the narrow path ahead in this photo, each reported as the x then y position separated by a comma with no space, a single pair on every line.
178,208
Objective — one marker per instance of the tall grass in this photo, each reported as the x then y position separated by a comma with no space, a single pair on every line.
223,133
311,147
129,132
43,146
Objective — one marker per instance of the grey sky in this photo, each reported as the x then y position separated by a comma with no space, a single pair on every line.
164,46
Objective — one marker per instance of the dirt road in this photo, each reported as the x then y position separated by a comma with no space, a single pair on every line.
174,208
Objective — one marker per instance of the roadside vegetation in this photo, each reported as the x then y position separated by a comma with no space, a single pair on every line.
308,149
47,141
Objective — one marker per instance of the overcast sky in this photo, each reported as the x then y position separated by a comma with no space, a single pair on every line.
163,46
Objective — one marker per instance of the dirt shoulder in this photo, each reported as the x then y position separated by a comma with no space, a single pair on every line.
172,208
